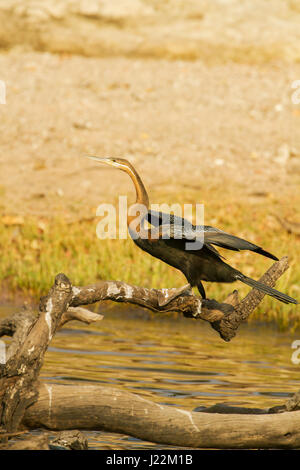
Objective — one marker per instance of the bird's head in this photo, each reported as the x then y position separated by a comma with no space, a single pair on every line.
120,163
124,165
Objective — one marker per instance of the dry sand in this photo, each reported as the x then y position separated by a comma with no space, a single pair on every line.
226,118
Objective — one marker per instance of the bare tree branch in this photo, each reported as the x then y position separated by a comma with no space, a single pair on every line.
228,326
158,300
79,314
224,317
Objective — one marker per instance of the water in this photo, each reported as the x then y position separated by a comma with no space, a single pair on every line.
173,361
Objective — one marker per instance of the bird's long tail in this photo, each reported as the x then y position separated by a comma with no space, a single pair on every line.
266,289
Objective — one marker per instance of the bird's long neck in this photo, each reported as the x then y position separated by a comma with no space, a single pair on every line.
134,222
141,193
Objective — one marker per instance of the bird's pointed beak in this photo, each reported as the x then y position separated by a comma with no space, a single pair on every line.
100,159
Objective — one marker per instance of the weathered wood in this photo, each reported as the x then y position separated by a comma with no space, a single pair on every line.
18,377
228,325
180,300
79,314
18,326
107,409
224,317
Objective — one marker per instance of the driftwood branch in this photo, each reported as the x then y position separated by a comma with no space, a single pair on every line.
228,326
224,317
107,409
79,314
24,402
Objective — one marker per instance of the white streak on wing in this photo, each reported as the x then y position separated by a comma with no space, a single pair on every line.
49,307
188,413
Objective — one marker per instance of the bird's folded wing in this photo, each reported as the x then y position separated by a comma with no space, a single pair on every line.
162,218
231,242
209,235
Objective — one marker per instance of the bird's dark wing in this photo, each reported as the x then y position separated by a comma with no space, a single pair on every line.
210,236
231,242
162,218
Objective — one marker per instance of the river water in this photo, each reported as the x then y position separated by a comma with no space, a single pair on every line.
173,361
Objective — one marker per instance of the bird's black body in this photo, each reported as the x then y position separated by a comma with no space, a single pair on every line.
203,264
172,237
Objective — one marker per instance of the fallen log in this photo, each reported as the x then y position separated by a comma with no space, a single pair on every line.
89,407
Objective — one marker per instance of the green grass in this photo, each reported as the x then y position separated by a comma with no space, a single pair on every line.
33,253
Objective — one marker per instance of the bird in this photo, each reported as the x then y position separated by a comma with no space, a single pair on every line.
167,240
